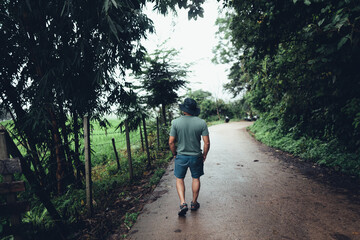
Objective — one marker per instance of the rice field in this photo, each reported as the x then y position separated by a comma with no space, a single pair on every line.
101,141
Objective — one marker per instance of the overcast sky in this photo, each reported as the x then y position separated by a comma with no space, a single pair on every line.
195,40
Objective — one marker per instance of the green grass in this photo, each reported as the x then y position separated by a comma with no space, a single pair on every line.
155,179
330,153
106,176
5,122
101,143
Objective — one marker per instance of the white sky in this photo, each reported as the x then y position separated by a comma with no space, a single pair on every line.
195,40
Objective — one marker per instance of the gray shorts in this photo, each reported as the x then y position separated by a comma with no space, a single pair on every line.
183,162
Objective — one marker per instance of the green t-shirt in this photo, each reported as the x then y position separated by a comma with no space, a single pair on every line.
188,131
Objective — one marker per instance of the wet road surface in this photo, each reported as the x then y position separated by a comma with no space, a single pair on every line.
248,193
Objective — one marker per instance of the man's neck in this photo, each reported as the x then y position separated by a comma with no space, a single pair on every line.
187,114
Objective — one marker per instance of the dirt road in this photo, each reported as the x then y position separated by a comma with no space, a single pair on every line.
247,192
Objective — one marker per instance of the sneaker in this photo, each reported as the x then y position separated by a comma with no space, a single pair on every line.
183,209
195,206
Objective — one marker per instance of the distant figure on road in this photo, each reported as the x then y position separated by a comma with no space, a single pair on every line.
187,130
227,119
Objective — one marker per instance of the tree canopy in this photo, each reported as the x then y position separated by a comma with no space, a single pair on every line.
298,61
61,60
161,77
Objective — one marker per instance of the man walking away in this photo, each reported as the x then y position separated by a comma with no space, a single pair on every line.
187,131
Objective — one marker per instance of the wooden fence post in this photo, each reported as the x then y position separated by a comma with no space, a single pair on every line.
88,181
158,133
141,138
116,154
8,187
36,186
129,149
146,142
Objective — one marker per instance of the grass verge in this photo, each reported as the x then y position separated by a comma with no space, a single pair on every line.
330,153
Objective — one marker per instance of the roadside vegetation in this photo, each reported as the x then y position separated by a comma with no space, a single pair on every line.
296,65
110,185
299,74
326,153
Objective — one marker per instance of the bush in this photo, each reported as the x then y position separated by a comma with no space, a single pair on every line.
130,219
155,179
331,153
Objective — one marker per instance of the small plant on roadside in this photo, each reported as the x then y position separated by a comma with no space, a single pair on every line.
38,216
155,179
122,194
112,169
130,219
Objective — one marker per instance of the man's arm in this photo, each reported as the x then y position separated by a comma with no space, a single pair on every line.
206,140
172,145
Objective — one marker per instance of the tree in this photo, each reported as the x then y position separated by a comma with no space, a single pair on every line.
298,65
199,95
58,59
161,77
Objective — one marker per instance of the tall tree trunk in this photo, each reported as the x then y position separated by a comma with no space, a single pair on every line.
59,152
158,133
170,117
163,108
51,183
129,149
141,138
146,143
68,159
80,168
87,153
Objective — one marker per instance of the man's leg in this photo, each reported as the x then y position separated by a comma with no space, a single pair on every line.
180,187
195,189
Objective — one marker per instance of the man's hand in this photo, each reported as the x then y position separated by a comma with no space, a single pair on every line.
172,145
206,140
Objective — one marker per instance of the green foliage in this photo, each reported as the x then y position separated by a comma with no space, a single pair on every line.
199,95
65,68
130,219
101,142
298,64
162,77
208,109
70,205
38,216
239,109
329,153
163,162
105,177
212,110
59,62
155,179
224,51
